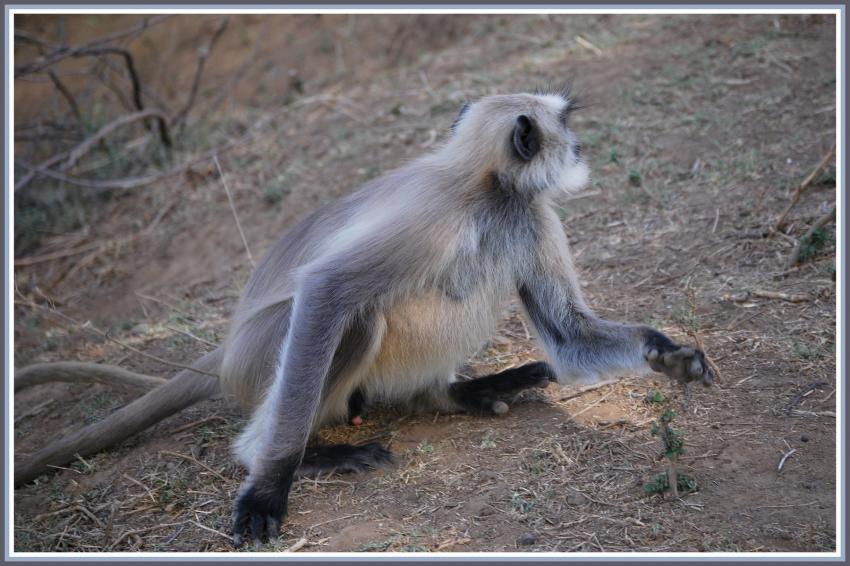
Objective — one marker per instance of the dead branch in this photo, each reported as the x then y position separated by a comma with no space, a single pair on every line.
765,294
97,48
802,393
66,94
586,389
127,182
62,52
94,246
75,154
203,55
237,77
72,156
134,79
780,224
794,258
80,372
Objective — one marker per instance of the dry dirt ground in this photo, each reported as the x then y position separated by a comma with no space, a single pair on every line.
697,129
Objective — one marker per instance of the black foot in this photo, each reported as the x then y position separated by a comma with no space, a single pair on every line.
490,395
343,459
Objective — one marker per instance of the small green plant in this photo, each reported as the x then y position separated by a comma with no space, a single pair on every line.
614,155
635,178
539,463
424,447
489,440
521,504
655,396
810,246
673,442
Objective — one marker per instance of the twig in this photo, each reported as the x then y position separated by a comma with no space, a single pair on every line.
573,416
196,461
236,77
311,527
62,52
586,389
233,209
301,543
785,457
210,529
587,45
203,55
140,484
192,336
66,94
34,411
794,259
802,187
166,304
128,182
802,393
195,424
87,144
126,534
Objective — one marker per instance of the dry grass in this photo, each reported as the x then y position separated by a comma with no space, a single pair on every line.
692,160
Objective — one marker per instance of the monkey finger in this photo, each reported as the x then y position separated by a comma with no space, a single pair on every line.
695,368
272,528
237,539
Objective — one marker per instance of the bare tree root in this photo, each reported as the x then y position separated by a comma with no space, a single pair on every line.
79,372
184,389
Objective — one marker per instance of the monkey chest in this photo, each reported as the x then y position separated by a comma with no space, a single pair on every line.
432,330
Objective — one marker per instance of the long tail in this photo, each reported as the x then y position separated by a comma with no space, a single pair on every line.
184,389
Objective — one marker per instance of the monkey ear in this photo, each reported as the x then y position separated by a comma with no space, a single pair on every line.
526,138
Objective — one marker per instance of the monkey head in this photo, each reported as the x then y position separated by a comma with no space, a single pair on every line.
524,139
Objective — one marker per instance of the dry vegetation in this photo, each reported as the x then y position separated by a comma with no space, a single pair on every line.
698,130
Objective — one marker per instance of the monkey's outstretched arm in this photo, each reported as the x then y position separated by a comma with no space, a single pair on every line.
584,347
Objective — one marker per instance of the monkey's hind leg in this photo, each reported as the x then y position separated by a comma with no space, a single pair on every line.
343,459
490,395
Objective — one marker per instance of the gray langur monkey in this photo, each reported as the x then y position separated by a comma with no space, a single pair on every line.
383,294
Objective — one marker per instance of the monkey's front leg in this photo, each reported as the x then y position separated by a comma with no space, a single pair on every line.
273,444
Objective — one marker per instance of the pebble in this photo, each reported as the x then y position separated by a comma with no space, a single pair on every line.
804,437
526,539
